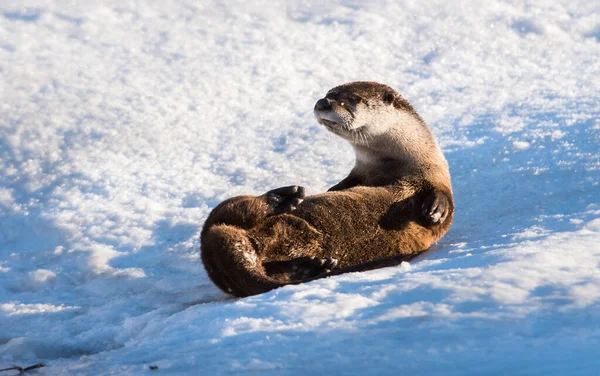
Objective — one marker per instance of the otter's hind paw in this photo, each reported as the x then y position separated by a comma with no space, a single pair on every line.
436,207
285,199
310,267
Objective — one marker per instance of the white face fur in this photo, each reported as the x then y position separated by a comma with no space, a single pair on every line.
358,119
379,123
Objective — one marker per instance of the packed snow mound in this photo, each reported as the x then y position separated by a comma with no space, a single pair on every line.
122,124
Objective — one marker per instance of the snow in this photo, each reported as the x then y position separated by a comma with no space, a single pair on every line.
122,124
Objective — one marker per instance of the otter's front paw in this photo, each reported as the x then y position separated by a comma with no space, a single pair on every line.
285,199
310,267
436,207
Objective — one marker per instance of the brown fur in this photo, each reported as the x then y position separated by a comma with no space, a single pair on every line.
376,217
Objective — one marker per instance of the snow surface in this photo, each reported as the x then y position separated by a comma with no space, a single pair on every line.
123,123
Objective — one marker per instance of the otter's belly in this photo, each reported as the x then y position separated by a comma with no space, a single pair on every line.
363,226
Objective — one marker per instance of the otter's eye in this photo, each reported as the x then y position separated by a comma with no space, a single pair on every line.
342,104
389,97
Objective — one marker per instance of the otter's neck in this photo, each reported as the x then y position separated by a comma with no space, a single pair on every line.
409,147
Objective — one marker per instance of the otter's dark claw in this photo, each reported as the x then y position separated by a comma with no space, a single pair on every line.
285,199
436,207
309,267
330,263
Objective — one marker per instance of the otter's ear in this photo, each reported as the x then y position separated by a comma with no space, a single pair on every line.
389,97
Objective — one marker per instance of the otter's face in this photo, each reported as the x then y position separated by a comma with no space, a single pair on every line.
358,111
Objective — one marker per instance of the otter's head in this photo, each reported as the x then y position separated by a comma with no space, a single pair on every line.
361,111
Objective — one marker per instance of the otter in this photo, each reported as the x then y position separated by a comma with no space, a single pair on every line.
395,203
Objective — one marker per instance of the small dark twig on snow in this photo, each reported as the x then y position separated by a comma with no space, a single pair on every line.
23,370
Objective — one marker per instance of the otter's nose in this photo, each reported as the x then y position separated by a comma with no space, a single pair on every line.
323,104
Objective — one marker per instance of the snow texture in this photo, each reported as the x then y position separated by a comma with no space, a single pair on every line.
123,123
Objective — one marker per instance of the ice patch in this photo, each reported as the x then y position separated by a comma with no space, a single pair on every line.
593,225
521,145
42,276
6,197
11,309
415,310
129,272
254,365
557,135
526,26
100,256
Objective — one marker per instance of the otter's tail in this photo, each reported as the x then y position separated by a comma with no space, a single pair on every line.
232,263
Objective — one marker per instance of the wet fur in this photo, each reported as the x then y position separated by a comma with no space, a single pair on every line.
383,213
